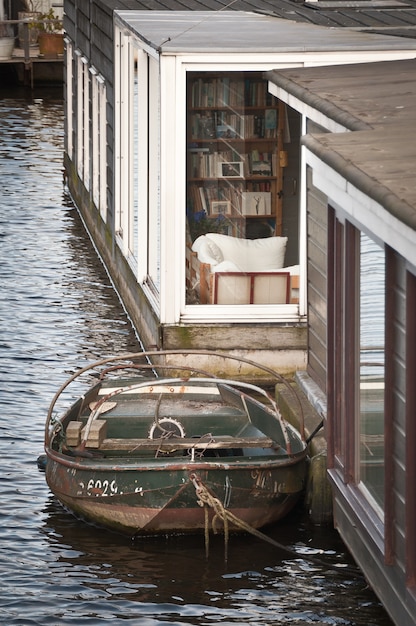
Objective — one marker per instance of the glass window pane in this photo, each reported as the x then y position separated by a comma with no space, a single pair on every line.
235,159
371,368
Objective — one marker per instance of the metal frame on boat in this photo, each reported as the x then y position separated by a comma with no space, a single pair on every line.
173,454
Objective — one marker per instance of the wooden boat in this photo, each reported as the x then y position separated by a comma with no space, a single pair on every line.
173,454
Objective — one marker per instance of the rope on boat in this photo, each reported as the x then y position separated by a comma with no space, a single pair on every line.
207,500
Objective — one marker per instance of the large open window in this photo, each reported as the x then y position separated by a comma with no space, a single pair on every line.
236,136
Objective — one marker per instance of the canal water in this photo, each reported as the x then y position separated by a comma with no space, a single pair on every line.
58,311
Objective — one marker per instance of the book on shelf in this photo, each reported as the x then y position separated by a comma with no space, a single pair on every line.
260,185
219,124
225,131
226,91
270,119
202,197
197,149
203,200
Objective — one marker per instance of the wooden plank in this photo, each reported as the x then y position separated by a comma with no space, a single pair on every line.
205,283
73,434
97,433
294,289
185,443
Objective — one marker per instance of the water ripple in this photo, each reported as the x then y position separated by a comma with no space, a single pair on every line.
58,312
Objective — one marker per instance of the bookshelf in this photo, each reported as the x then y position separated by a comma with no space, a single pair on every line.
233,142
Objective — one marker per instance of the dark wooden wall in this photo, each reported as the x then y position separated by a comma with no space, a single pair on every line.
291,187
89,25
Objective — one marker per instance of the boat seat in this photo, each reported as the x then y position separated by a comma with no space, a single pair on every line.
169,445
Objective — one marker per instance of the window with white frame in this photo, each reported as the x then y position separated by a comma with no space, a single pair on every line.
99,143
236,136
137,195
126,95
83,120
69,84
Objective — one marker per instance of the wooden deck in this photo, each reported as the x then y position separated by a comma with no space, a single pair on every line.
31,67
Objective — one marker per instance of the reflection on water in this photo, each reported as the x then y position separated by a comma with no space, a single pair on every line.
58,312
168,581
372,331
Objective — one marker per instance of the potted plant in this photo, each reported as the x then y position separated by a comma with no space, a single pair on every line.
50,35
26,19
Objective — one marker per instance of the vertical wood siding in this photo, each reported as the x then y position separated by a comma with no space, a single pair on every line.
395,449
90,26
317,225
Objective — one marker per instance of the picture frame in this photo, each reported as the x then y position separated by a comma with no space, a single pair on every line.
230,169
261,168
220,207
256,203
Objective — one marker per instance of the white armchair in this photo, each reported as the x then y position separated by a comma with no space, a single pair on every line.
230,270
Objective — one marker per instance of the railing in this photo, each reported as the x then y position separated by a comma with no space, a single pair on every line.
23,30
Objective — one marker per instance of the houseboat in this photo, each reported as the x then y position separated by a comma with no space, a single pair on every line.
186,169
359,151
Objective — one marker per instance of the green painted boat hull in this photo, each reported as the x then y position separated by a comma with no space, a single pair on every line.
155,458
163,499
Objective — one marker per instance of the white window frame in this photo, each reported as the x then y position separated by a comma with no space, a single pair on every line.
83,120
137,127
99,143
69,60
173,193
123,87
153,205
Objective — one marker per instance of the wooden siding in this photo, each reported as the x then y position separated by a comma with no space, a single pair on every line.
395,409
410,434
317,283
386,552
90,27
352,523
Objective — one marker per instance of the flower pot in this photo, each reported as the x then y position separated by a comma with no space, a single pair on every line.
28,16
6,47
51,44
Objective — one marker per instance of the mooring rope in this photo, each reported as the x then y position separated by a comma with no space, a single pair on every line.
207,500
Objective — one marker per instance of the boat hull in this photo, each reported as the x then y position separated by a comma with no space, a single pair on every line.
173,455
137,500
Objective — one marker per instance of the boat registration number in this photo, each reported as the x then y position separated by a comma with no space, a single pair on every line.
102,487
105,488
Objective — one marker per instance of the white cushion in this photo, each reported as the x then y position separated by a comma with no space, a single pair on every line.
252,255
214,251
208,252
198,243
226,266
292,269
